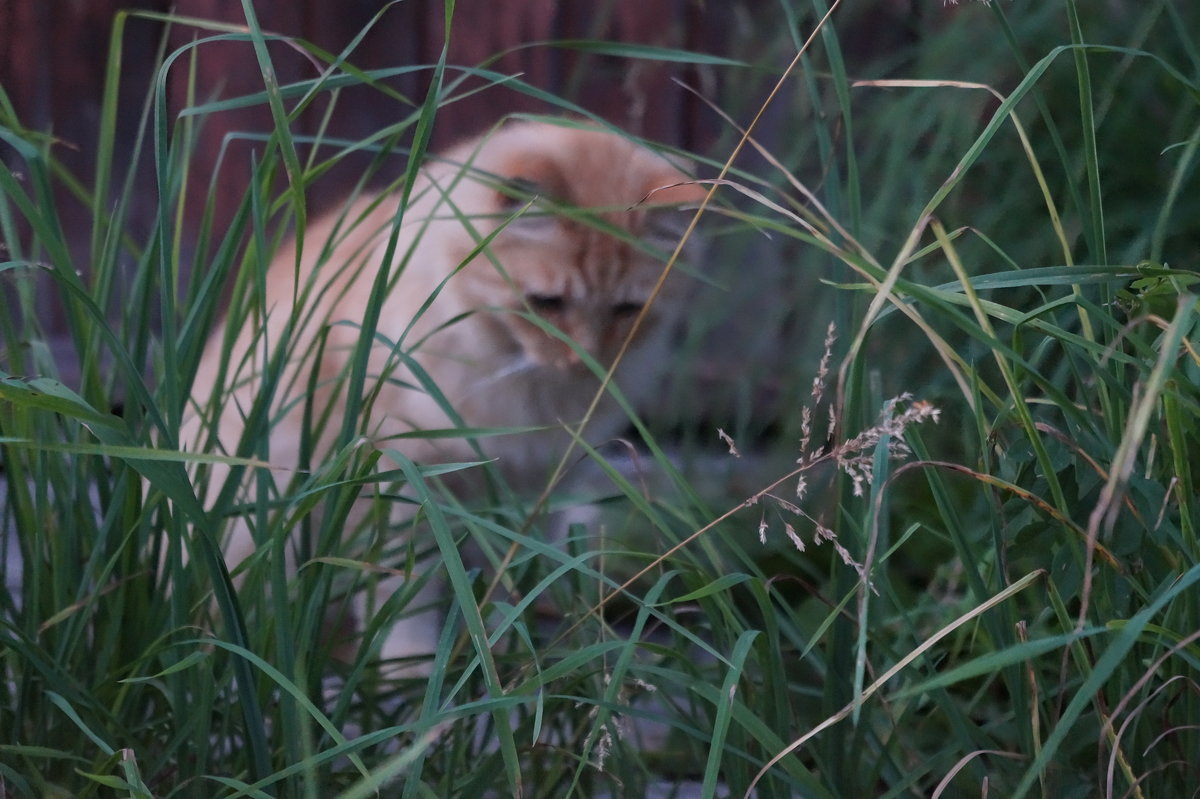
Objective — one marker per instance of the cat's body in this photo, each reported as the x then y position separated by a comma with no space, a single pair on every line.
588,275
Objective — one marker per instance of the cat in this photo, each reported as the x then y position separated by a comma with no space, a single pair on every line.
563,221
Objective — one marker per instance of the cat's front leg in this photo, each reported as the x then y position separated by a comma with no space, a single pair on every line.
411,631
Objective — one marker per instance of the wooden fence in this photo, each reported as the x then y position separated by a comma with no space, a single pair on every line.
52,57
53,54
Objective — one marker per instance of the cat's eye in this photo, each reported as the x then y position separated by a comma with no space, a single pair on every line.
546,303
627,309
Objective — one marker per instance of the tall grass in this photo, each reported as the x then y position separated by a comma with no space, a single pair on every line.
948,548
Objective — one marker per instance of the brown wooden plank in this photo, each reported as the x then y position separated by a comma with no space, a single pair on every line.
52,57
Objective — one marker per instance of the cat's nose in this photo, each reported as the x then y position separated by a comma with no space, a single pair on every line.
582,340
571,357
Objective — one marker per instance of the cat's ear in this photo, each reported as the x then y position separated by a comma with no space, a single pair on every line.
669,187
663,227
529,176
532,183
514,193
530,202
669,200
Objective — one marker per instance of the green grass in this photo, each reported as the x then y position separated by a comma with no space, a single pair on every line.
1007,606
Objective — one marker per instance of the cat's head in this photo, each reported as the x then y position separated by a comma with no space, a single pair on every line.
583,222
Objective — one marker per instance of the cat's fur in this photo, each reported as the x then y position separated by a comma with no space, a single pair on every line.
589,274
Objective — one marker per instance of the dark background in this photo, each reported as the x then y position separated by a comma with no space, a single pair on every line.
53,56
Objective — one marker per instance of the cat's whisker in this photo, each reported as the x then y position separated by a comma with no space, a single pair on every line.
520,365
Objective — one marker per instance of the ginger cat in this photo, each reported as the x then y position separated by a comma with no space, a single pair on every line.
581,220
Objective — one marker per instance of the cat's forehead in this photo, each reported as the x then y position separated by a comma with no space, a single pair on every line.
589,264
585,167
